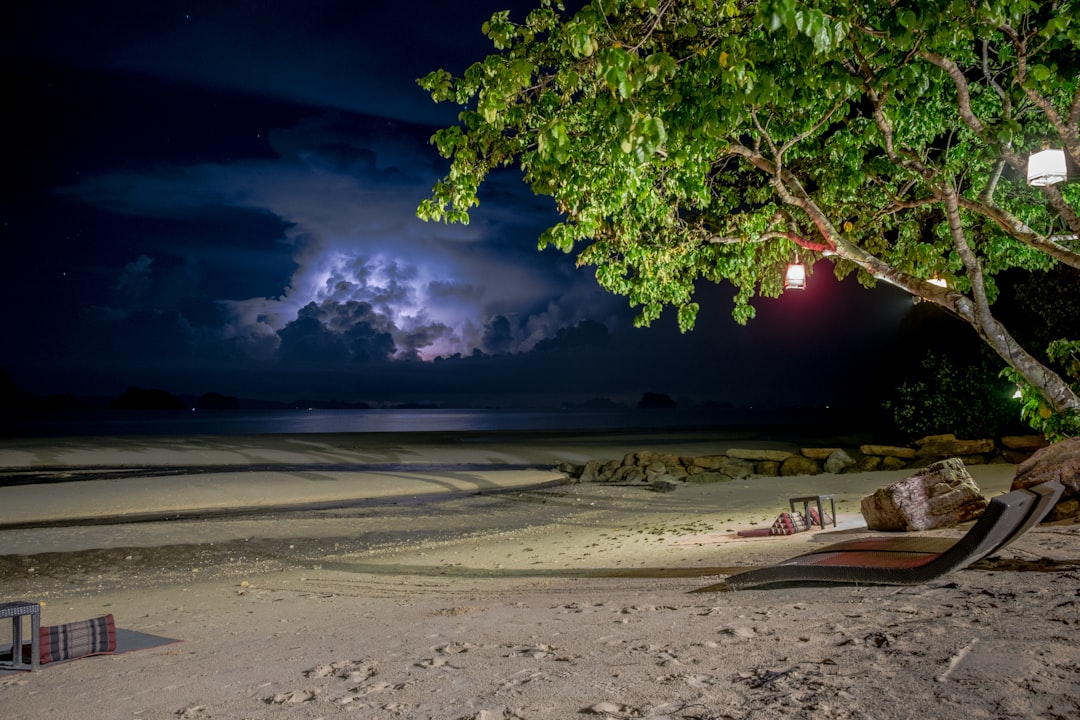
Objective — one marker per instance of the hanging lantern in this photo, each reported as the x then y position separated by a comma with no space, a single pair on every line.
795,278
1046,167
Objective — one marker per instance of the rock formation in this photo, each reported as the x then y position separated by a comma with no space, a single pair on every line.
1061,462
942,494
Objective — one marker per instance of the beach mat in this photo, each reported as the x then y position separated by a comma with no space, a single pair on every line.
127,641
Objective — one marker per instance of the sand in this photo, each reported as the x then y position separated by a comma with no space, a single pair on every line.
424,591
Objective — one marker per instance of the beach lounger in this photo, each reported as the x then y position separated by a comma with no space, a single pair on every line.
908,560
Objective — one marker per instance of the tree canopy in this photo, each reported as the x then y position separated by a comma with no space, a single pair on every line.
720,139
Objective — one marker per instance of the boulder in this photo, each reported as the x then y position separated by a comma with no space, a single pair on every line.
1009,455
890,462
655,470
942,494
1024,442
754,454
769,468
707,462
818,453
869,463
726,469
1061,462
632,474
590,473
947,446
678,471
664,483
887,451
569,468
736,469
838,461
799,465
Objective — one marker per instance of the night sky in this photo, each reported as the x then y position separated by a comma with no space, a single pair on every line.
220,196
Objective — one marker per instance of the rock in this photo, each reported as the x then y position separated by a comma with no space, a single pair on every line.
838,461
1015,457
869,463
942,494
664,484
736,469
568,468
767,467
945,446
678,471
892,463
590,473
1024,442
1061,462
655,470
1065,509
668,459
799,465
708,462
818,453
708,476
755,454
887,451
733,468
632,474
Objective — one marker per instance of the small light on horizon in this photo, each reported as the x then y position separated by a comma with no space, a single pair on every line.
1046,167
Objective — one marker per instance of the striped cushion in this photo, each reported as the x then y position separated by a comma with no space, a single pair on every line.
789,523
77,639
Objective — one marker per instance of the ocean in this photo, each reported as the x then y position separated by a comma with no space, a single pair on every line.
266,422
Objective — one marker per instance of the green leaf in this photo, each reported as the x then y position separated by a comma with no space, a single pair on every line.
1040,73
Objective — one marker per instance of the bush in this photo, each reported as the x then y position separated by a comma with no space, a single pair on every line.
970,400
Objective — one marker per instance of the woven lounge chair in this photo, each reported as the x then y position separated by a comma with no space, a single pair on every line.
909,560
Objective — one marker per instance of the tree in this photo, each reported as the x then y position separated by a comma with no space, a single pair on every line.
720,139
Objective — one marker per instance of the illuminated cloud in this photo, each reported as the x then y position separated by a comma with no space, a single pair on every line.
346,192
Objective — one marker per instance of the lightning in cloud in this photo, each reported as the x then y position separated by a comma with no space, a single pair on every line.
347,196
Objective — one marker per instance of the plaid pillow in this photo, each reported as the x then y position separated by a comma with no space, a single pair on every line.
789,523
75,640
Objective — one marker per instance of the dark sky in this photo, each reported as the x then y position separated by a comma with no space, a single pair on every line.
220,196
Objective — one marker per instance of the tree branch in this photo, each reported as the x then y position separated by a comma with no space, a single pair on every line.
963,92
1018,230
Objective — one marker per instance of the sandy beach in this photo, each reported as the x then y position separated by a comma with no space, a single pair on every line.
459,576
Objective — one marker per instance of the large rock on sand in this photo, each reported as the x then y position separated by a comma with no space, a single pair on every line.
942,494
1061,462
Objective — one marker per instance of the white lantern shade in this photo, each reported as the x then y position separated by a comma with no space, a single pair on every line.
795,279
1046,168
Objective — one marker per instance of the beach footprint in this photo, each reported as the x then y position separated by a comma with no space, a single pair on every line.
289,697
348,670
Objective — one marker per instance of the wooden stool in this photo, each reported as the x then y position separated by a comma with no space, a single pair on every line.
817,499
16,611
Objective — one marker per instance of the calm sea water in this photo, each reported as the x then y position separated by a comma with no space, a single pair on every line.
263,422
